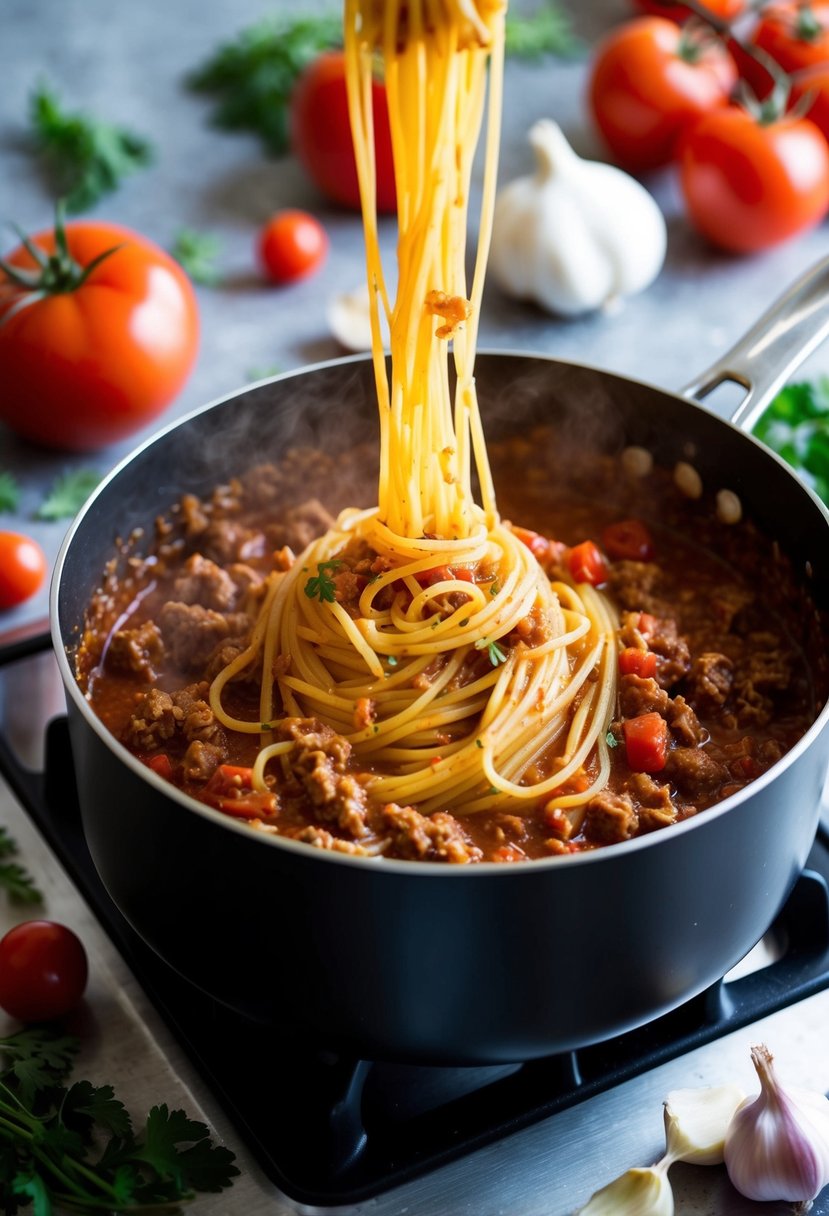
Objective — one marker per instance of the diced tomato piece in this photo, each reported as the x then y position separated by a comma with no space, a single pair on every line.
161,764
647,624
635,662
586,564
509,852
745,767
231,776
253,805
628,540
442,574
646,742
546,551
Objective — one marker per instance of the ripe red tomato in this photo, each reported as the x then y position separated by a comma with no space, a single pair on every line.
810,88
748,185
22,568
586,564
84,367
292,245
43,971
795,35
321,134
628,540
649,80
726,10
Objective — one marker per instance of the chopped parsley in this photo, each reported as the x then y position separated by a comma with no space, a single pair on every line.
322,586
494,588
796,426
391,660
68,494
547,31
478,743
16,881
9,492
495,653
611,740
196,252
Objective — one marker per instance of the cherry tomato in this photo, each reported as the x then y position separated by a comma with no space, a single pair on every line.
726,10
22,568
83,367
648,81
43,971
321,134
628,540
795,35
586,564
292,245
748,185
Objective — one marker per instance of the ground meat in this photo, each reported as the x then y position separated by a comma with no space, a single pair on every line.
671,649
321,838
418,837
205,583
194,716
191,633
348,587
152,722
318,763
300,525
246,580
642,696
136,651
684,723
193,516
225,541
767,665
656,806
632,585
610,817
201,760
709,681
224,654
693,771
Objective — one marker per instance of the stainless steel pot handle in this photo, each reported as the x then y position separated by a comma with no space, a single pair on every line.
773,348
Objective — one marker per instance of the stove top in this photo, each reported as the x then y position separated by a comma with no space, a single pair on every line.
330,1130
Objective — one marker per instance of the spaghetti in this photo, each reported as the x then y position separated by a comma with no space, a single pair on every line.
458,672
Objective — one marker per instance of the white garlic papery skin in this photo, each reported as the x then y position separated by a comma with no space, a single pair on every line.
578,234
639,1192
696,1121
777,1144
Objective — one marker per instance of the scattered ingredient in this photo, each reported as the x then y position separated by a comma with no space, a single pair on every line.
639,1192
796,426
15,880
547,31
349,319
252,76
322,586
578,234
72,1147
321,134
777,1144
87,157
68,494
23,568
196,252
649,80
43,971
9,492
81,367
292,245
586,564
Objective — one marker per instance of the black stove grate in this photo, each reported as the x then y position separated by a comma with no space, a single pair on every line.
330,1131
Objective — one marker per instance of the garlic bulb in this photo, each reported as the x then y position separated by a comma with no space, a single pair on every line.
639,1192
696,1121
777,1144
578,234
349,319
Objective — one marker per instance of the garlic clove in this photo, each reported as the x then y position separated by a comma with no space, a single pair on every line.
777,1144
696,1121
639,1192
349,319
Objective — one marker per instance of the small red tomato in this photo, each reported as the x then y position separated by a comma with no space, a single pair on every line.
22,568
749,184
726,10
649,80
646,743
795,35
43,971
628,540
586,564
292,245
635,662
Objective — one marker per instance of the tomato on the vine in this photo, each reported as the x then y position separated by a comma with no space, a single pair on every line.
22,568
795,35
98,332
749,184
321,134
43,971
649,80
726,10
292,245
810,90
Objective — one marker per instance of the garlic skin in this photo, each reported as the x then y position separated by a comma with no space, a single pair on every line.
349,319
696,1122
578,234
639,1192
777,1144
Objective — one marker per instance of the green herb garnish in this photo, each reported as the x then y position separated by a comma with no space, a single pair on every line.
496,654
9,492
546,32
72,1147
322,586
611,740
15,880
495,587
251,76
68,494
796,426
196,252
391,660
479,743
87,157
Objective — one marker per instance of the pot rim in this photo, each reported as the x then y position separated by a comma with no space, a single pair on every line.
603,855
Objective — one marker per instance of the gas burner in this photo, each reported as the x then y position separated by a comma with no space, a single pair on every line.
329,1130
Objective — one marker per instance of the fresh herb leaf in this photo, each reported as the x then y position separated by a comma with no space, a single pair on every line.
546,32
251,76
87,157
196,252
9,493
15,880
494,588
35,1061
322,586
496,654
611,740
68,494
263,373
796,426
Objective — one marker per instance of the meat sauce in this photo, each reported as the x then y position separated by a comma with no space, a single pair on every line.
714,658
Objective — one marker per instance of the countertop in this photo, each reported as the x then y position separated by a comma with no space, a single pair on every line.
128,62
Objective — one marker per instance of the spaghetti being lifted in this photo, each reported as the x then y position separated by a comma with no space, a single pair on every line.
425,631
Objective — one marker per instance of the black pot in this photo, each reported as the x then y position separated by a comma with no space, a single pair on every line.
416,961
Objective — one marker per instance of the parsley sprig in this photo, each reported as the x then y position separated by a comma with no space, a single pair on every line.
9,492
548,31
15,880
796,426
73,1148
322,586
197,252
494,652
68,494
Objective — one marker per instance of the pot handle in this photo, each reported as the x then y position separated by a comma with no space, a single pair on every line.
764,358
